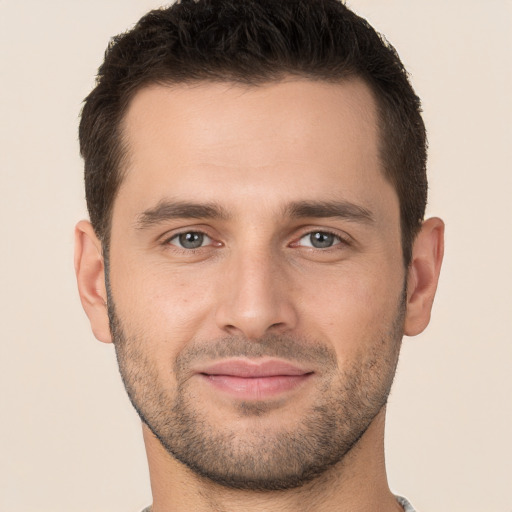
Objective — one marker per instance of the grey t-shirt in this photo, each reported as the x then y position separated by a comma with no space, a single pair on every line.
407,506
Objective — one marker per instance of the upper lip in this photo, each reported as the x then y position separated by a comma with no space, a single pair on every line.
253,369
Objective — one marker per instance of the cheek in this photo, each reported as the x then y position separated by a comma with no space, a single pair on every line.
159,314
351,306
163,304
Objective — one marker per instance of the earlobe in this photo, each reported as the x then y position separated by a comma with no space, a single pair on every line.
423,275
90,275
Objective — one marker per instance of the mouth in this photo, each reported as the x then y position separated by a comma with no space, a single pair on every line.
254,380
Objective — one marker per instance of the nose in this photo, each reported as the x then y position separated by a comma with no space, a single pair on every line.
256,297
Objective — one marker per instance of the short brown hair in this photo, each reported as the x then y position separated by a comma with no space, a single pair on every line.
253,42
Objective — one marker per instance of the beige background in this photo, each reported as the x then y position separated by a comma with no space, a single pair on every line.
69,440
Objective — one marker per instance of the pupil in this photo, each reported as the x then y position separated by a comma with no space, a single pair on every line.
322,240
191,240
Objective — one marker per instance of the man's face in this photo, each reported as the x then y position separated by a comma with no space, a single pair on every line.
256,275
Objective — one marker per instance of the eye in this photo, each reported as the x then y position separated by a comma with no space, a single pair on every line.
190,240
319,240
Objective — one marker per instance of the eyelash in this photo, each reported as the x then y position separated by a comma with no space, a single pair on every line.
168,241
341,241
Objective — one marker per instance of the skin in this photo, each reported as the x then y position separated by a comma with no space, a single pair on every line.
254,151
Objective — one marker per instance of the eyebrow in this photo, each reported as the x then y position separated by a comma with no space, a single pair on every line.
167,210
330,209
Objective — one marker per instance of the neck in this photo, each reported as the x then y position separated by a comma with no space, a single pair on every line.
358,483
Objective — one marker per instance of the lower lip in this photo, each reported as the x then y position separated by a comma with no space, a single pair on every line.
256,388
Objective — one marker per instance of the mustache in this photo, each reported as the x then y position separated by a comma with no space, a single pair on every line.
291,348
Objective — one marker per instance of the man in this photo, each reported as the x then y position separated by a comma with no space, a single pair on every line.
255,177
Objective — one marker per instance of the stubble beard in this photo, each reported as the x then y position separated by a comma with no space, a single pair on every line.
266,457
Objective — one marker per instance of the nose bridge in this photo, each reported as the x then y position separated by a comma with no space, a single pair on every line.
255,297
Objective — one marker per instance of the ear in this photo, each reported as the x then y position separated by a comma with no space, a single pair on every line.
423,275
90,276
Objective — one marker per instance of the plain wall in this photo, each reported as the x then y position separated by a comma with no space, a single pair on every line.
69,440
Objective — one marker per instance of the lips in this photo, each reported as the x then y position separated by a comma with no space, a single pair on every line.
249,380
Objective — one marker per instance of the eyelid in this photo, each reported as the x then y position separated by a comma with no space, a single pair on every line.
336,239
206,241
181,230
165,238
343,238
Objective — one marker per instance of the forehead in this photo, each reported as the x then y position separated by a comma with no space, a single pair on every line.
278,141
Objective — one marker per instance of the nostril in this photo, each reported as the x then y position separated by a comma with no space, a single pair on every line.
231,329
